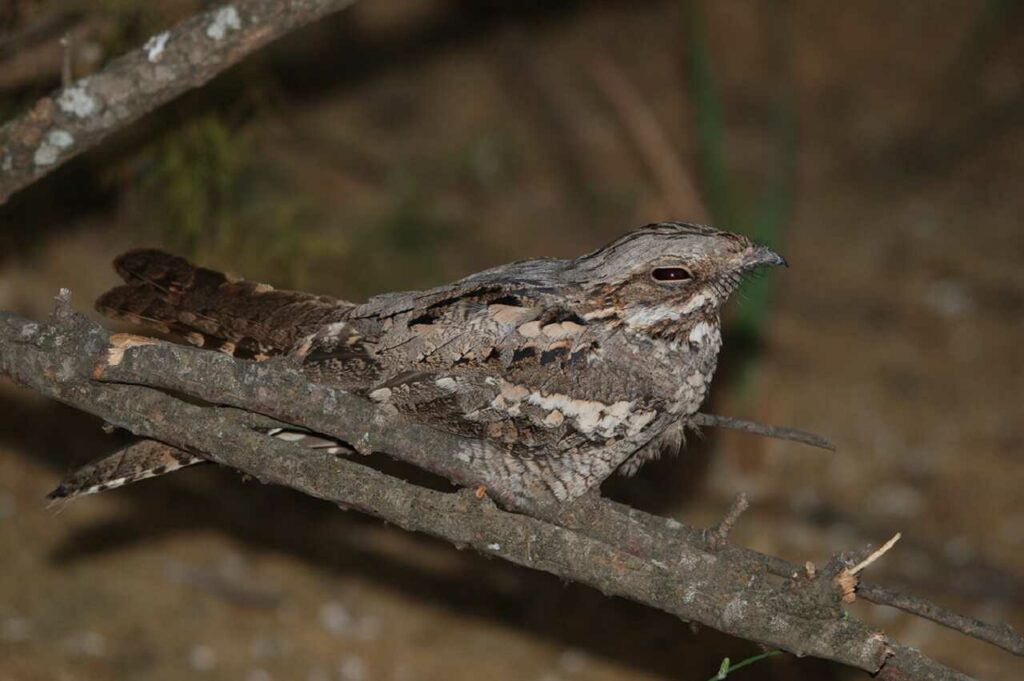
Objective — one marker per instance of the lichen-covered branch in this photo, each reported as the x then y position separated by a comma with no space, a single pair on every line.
719,587
78,116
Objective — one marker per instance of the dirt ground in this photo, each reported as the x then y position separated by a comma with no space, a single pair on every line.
409,143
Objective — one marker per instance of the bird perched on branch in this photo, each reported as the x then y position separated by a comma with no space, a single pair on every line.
564,370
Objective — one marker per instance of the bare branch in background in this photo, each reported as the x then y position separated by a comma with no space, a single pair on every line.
84,112
775,432
597,542
650,139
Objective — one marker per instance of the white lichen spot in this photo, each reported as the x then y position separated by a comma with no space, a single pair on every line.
494,547
77,101
61,139
225,20
154,47
734,611
49,150
7,164
465,454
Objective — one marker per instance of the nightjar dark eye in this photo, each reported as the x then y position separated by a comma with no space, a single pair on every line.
670,274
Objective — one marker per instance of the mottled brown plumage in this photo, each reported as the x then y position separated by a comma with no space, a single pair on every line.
562,370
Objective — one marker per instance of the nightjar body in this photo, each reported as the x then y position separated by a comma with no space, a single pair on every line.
560,371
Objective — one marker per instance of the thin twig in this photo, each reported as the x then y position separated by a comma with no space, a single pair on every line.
776,432
42,29
875,555
648,136
719,534
998,634
67,68
846,579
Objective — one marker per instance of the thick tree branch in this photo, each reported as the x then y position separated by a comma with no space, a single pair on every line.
78,116
726,589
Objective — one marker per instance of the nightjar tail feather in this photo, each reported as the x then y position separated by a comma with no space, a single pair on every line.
146,459
149,459
211,309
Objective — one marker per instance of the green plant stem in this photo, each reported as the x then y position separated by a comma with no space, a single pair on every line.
729,669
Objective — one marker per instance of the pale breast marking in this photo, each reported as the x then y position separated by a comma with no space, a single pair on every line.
699,332
590,417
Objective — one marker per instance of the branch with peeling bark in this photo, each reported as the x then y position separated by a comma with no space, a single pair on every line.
84,112
151,388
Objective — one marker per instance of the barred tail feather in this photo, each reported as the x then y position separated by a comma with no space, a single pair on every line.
309,440
146,459
212,309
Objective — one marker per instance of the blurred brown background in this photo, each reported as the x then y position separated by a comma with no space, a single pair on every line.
878,145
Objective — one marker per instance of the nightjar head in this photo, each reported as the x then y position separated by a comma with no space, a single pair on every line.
668,269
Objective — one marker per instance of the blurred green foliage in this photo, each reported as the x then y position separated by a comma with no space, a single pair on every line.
402,247
192,175
213,195
765,215
487,160
132,22
210,196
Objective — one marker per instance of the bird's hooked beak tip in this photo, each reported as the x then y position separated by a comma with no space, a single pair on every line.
762,256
